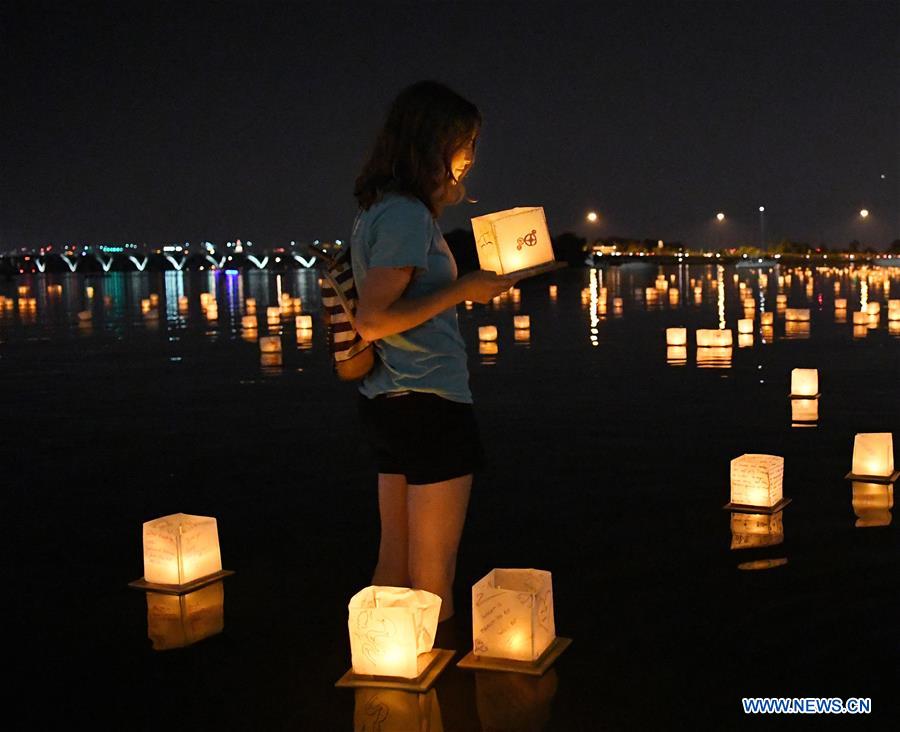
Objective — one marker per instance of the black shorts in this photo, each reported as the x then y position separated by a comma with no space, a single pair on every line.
425,437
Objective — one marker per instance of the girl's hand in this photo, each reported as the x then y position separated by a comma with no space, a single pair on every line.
483,286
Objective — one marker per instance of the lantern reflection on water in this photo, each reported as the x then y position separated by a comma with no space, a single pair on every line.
796,314
715,357
392,631
303,322
522,336
248,322
756,482
745,340
796,330
271,361
894,327
745,326
860,331
766,318
270,344
893,310
804,412
753,530
676,355
872,503
508,702
394,710
176,621
840,303
873,458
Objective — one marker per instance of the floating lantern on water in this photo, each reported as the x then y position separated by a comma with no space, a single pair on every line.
745,326
273,315
270,344
714,357
837,287
873,458
181,553
177,621
154,299
755,530
756,483
796,314
212,312
745,340
304,322
893,309
767,318
553,290
513,628
521,321
248,322
182,303
676,336
392,635
89,291
749,303
804,383
860,331
468,304
676,355
145,305
487,333
873,308
708,337
804,412
796,329
85,315
860,317
250,306
894,327
602,295
205,297
23,290
272,361
840,303
781,300
522,336
513,240
673,296
298,305
516,294
488,348
617,303
872,503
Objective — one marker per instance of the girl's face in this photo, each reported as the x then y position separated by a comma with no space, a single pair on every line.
463,159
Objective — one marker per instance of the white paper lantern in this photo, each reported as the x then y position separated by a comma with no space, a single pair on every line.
797,314
512,614
487,333
893,309
270,344
756,480
204,299
873,308
390,628
248,322
840,303
676,336
512,240
181,548
804,382
304,322
521,321
873,455
745,326
707,337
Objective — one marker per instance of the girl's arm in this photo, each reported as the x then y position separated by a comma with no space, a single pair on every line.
383,311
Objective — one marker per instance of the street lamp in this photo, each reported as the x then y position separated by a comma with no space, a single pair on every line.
762,228
864,212
592,217
720,216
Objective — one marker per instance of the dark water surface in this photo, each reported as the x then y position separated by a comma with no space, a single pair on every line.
609,467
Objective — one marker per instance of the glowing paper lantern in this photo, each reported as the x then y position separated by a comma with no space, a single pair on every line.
873,308
756,481
840,303
676,355
796,314
707,338
183,302
521,335
487,333
145,305
85,315
521,321
553,290
873,457
745,340
89,291
391,628
894,327
749,303
796,329
860,317
781,300
488,348
805,383
745,326
304,322
270,344
754,530
270,360
23,290
205,297
512,614
513,240
676,336
516,294
872,503
617,303
273,315
177,621
860,331
767,318
154,300
673,296
180,549
893,309
248,322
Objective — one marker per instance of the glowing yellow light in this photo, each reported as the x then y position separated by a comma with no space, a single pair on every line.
592,217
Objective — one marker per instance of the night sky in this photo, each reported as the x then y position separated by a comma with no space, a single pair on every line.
161,122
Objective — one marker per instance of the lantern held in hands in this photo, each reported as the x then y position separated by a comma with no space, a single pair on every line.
181,553
513,240
873,458
513,627
756,483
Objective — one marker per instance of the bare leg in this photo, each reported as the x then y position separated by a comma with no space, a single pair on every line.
393,553
437,512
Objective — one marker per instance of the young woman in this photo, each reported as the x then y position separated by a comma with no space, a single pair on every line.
415,405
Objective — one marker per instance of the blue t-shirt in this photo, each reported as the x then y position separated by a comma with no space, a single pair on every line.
399,231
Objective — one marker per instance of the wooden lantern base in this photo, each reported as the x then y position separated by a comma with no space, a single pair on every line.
743,508
532,668
431,665
806,396
885,479
142,584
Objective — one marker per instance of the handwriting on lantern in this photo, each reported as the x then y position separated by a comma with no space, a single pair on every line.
371,629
